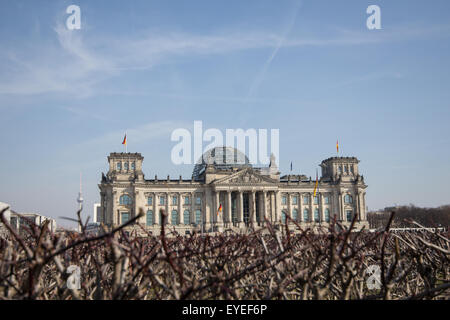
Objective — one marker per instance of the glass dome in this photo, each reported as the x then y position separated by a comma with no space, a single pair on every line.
222,158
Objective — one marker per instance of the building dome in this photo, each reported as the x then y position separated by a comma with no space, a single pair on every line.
221,158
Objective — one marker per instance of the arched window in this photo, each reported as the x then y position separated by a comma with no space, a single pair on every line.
295,214
133,166
283,216
119,166
316,215
125,166
327,215
174,218
125,199
348,198
306,215
149,217
186,217
198,216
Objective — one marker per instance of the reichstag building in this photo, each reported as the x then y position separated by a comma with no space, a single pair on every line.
226,192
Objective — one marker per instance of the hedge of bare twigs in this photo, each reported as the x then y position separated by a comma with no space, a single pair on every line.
265,264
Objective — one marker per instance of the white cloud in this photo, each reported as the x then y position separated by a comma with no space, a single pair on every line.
76,65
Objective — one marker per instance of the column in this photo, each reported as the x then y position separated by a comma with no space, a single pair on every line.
140,202
340,208
207,201
192,211
180,214
277,207
289,213
216,208
168,217
321,211
227,218
241,210
114,208
155,213
272,206
253,210
300,207
363,206
311,212
264,208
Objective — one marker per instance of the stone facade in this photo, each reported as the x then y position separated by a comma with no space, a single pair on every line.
247,196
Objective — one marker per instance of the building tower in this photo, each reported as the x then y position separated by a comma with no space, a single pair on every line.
80,199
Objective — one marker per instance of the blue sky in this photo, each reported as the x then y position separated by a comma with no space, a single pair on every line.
309,68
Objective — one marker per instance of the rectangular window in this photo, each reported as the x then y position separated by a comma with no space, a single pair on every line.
306,200
198,200
125,217
150,201
174,200
349,215
283,200
186,200
316,200
162,200
125,165
133,166
327,215
327,199
149,217
119,166
294,200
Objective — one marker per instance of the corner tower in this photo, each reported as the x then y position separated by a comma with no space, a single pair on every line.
125,167
345,168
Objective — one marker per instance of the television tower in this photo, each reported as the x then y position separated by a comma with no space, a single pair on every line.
80,199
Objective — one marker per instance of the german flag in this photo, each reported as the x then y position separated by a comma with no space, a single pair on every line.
124,142
337,146
219,210
317,183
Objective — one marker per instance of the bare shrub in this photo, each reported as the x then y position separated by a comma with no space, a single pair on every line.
263,264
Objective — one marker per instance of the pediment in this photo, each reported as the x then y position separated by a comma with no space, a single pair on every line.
245,177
